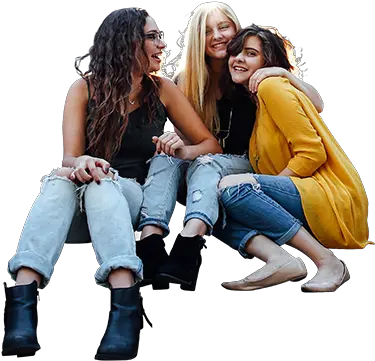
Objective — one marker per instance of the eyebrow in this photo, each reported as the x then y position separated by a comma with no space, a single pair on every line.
251,49
152,31
221,22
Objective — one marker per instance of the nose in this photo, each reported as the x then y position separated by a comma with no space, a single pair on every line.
239,57
217,34
161,44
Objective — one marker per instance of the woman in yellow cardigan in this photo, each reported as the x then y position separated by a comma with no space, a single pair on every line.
305,186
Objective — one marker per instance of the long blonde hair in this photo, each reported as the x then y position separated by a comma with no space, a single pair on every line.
194,74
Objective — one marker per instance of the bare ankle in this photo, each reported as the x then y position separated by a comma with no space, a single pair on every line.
26,276
194,227
121,278
149,230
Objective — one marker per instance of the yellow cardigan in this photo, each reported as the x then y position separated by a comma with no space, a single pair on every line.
289,132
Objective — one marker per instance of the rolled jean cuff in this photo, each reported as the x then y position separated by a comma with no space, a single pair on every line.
154,222
290,233
203,217
243,243
132,263
31,260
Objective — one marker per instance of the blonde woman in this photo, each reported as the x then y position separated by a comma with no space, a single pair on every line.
211,27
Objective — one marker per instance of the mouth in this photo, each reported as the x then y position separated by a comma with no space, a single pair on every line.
239,69
221,45
157,57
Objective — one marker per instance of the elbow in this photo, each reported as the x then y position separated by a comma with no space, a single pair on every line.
216,148
320,106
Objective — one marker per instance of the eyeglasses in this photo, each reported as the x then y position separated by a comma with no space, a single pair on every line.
155,37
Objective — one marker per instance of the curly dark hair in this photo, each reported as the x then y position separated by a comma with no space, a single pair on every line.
117,52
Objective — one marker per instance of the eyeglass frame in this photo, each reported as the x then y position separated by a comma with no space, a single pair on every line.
156,37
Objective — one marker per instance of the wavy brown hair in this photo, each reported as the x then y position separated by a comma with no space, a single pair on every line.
277,51
117,52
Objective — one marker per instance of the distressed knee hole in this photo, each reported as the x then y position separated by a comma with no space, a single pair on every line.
197,196
237,179
204,159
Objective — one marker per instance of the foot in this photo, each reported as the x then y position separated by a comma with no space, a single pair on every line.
273,273
332,273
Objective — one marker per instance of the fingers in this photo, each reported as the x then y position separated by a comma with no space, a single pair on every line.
178,145
168,143
93,169
262,74
103,164
255,80
88,168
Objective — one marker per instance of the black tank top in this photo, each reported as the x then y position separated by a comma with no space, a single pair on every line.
237,118
136,145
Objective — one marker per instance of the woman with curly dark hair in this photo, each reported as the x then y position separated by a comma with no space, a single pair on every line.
113,117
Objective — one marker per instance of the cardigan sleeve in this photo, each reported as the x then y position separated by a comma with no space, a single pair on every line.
283,106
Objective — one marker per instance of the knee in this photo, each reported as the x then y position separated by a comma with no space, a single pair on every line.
236,179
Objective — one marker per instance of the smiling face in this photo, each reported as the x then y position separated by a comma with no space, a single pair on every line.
153,45
219,31
243,65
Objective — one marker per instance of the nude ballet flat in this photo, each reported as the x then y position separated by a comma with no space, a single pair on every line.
332,287
293,270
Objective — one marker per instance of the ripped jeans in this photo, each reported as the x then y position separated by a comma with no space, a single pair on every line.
196,181
268,205
112,209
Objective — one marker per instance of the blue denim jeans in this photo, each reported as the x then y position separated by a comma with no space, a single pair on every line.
197,181
271,207
112,210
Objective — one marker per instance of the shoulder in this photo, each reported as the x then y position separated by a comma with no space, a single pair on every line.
79,90
168,90
273,86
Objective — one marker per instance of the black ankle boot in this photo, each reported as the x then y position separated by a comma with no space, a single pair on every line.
21,320
151,250
121,338
183,264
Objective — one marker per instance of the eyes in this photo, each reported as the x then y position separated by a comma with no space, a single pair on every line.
222,26
155,37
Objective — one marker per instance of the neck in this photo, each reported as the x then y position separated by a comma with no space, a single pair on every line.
217,65
136,81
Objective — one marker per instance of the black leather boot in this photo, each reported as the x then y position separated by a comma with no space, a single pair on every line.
151,250
184,261
121,338
21,320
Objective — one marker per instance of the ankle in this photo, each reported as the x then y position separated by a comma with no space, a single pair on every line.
327,259
194,227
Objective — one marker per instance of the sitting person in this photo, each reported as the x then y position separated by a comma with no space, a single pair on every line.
211,27
110,118
306,192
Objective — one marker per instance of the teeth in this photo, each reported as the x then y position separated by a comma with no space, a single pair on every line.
219,45
238,68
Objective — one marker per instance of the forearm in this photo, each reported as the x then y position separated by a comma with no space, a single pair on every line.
286,172
69,161
205,147
308,89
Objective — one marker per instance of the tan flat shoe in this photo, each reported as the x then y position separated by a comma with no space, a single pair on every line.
329,287
293,270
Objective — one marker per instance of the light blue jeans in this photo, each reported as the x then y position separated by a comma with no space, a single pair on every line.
112,210
196,181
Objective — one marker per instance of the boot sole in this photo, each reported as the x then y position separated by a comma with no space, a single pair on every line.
169,285
21,351
104,356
